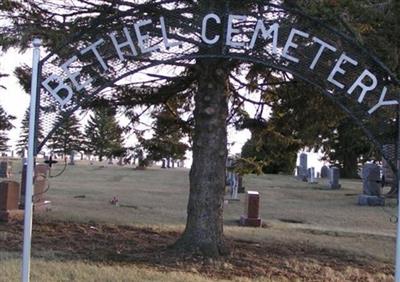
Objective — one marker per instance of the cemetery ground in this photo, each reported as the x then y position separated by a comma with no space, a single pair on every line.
309,233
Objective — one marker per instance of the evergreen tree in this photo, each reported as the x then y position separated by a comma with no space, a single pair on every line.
103,134
166,141
271,147
22,142
67,137
5,125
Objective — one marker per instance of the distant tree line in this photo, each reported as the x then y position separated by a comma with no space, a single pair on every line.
102,136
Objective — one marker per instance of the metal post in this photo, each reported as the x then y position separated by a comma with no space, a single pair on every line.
397,271
30,165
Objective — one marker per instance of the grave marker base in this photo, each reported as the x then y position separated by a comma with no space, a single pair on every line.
366,200
11,215
252,222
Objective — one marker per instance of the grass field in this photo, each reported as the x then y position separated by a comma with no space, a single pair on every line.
295,213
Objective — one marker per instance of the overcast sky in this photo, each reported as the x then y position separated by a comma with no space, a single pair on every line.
13,99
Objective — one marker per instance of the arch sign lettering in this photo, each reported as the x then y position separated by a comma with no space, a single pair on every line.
135,49
142,52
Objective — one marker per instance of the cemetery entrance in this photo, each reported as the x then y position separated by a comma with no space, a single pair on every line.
144,58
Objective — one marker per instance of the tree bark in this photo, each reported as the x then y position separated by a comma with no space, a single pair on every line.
204,227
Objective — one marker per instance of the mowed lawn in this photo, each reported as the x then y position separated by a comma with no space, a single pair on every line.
292,211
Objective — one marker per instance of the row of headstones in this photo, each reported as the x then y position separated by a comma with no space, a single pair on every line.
371,177
12,193
308,175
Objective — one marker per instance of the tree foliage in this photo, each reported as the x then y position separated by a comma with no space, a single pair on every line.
67,137
166,141
5,125
103,134
22,142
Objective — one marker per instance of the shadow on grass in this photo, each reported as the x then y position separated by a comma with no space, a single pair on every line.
116,245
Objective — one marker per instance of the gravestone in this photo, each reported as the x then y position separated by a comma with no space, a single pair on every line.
40,184
298,171
311,175
9,195
232,178
251,216
5,169
9,201
72,158
302,169
388,177
371,177
334,176
241,188
324,172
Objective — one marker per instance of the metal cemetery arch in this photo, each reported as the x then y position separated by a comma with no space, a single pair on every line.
136,45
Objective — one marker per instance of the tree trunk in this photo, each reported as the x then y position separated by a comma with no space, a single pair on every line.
350,166
204,226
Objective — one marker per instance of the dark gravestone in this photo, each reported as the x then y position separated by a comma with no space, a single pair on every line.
388,177
324,172
309,173
302,169
251,215
9,195
9,201
371,176
241,188
5,169
121,161
72,158
334,177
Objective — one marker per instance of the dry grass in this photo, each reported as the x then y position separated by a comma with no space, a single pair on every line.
45,270
49,269
158,198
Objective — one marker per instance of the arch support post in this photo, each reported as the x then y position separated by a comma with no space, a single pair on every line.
26,259
397,270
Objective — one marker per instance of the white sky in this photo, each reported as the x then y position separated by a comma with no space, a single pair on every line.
14,99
